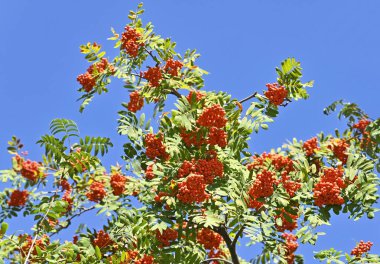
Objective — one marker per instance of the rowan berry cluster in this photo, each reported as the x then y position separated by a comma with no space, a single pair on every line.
195,96
96,192
136,102
30,170
278,161
328,190
67,198
209,169
290,186
149,174
216,253
130,41
173,67
18,198
166,236
218,137
263,186
192,189
102,239
153,75
42,243
287,225
361,248
209,239
158,197
213,116
193,138
88,79
310,146
276,93
362,125
118,183
339,148
291,246
155,147
65,185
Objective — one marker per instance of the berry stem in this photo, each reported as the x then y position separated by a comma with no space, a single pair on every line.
247,98
216,259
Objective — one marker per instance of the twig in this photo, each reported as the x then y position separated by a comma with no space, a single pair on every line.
176,93
237,236
216,259
152,56
247,98
38,230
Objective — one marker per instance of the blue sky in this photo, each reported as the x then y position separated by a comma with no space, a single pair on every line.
241,42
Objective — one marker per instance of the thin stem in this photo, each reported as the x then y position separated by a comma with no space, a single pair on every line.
248,98
237,236
216,259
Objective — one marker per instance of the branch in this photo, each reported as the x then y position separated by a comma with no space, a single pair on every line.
60,228
37,231
247,98
237,236
152,56
216,259
176,93
221,230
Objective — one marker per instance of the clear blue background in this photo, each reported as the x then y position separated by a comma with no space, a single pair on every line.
240,41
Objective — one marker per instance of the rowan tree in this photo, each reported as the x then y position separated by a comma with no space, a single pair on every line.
189,188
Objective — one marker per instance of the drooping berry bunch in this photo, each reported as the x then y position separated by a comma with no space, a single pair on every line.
209,239
218,137
195,96
291,246
192,189
166,236
193,138
213,116
329,188
153,75
88,79
136,102
339,147
18,198
145,260
310,146
130,41
155,147
262,187
149,174
102,239
287,225
361,126
118,183
361,248
96,192
42,243
173,67
30,170
276,93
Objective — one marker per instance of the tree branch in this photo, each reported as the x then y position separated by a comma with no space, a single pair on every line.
216,259
221,230
237,236
247,98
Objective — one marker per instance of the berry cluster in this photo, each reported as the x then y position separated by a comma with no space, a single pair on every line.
328,190
30,170
166,236
195,96
192,189
149,174
172,67
102,239
210,169
361,248
209,239
290,186
118,183
192,138
278,161
154,147
276,93
153,75
145,260
218,137
339,147
136,102
88,79
310,146
263,186
362,125
96,192
286,225
67,198
158,197
216,253
65,185
130,41
18,198
28,241
291,246
213,116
